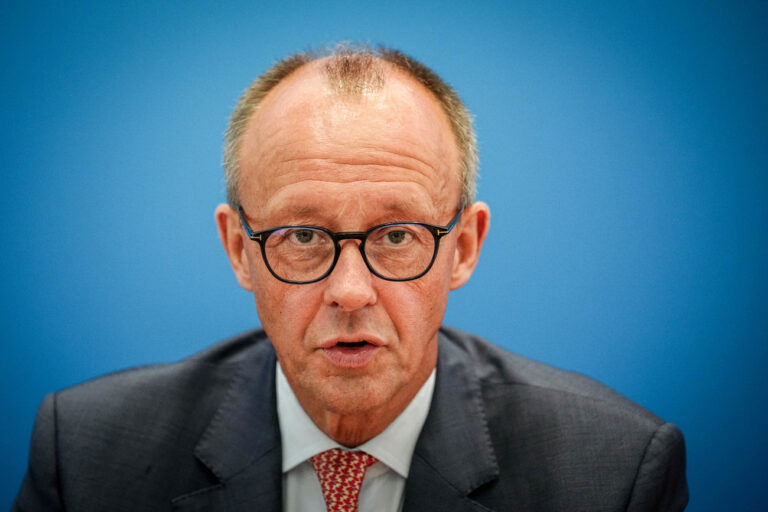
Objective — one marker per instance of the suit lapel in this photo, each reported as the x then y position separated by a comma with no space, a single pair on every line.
241,445
453,455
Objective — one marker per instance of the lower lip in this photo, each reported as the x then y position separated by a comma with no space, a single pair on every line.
351,357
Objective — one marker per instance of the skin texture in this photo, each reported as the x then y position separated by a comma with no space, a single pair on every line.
311,156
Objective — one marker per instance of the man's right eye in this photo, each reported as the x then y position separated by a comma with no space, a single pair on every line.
302,236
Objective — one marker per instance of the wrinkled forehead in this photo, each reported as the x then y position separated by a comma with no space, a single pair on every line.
318,103
311,127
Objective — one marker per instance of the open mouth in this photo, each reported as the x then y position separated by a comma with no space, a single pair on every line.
352,344
351,354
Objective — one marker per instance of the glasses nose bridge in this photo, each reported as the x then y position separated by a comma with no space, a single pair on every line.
350,235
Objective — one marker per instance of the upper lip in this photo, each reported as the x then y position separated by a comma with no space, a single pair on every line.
351,338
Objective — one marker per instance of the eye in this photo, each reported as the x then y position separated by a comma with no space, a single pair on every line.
302,236
398,237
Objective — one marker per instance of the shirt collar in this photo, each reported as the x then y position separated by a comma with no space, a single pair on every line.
302,439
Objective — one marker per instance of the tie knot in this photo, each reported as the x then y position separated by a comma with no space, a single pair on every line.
341,474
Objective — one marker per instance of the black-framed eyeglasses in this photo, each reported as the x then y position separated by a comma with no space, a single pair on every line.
398,251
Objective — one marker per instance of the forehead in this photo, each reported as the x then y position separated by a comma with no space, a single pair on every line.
310,148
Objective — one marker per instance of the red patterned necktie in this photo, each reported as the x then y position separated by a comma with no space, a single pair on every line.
341,474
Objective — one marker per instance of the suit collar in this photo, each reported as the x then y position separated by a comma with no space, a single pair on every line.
454,454
241,445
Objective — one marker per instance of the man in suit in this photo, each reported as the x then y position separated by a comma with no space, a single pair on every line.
350,217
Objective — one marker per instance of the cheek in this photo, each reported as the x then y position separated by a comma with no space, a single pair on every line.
284,310
279,307
436,285
286,313
416,307
422,302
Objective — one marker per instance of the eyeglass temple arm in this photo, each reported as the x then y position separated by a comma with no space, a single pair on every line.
251,234
439,231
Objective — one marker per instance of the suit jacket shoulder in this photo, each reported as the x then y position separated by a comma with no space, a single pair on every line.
144,438
510,433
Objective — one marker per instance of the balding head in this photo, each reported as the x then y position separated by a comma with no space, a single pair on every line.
352,71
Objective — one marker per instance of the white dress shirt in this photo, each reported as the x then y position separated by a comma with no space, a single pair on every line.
384,482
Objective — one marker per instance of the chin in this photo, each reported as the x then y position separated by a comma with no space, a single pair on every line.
356,399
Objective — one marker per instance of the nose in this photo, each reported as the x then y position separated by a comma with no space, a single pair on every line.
350,285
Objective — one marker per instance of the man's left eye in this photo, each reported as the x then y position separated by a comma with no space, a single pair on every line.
397,237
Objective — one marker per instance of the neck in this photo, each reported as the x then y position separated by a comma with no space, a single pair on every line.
352,429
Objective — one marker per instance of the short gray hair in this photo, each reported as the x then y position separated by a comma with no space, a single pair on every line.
352,68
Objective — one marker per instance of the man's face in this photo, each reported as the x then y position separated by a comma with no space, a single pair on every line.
311,157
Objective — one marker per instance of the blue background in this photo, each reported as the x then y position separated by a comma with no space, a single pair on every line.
623,154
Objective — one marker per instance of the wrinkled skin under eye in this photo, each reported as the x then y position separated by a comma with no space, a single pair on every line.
400,251
298,245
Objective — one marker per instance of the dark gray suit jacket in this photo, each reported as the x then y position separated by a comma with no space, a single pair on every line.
503,433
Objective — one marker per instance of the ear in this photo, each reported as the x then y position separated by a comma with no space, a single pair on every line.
232,238
473,226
